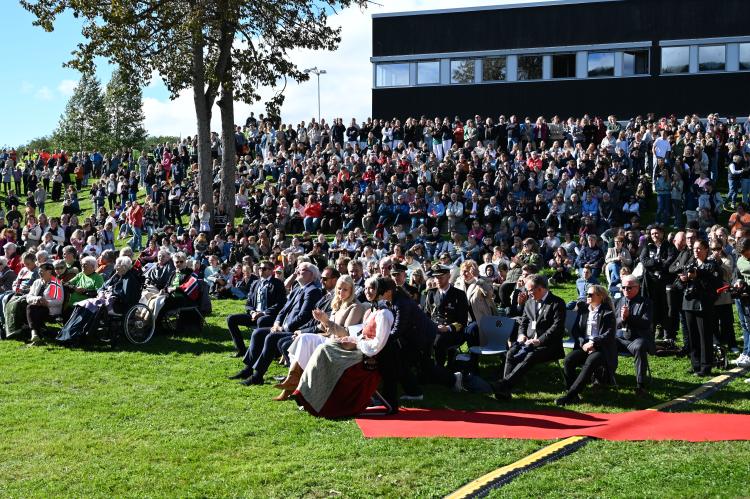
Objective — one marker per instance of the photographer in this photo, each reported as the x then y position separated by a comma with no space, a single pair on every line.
699,281
656,257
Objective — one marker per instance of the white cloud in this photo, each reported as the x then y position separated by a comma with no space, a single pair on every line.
66,87
44,93
345,90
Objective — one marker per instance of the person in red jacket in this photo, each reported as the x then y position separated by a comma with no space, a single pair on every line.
312,213
14,259
135,220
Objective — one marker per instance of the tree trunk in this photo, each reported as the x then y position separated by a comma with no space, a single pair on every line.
203,119
229,154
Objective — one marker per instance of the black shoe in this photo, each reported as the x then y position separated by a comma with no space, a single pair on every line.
703,374
245,373
567,400
502,392
252,380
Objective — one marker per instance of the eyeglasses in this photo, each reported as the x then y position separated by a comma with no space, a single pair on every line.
179,261
629,287
589,295
326,278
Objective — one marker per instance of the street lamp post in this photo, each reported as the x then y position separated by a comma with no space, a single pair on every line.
317,72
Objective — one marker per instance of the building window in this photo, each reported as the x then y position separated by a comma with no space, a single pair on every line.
428,72
392,75
675,60
601,64
529,67
744,56
564,66
712,58
462,71
635,62
494,69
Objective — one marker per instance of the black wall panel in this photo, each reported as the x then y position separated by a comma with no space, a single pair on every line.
625,97
549,26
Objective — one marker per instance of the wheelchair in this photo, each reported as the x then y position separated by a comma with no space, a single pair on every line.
137,325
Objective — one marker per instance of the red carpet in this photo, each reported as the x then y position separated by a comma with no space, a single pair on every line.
638,425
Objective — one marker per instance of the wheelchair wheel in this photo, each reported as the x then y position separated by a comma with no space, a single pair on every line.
139,324
169,321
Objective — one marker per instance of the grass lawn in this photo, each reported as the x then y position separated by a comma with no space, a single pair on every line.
163,420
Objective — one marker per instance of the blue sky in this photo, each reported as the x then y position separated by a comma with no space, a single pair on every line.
36,87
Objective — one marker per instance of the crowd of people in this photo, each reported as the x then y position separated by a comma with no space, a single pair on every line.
369,253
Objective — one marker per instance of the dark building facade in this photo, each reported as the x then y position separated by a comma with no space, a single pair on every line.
566,58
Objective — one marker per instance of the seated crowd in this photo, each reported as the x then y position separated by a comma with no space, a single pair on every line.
432,225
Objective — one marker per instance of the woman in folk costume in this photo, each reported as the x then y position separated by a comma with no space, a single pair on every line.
346,311
44,300
341,375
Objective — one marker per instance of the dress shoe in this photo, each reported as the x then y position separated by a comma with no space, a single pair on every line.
252,380
641,392
245,373
567,400
284,395
501,390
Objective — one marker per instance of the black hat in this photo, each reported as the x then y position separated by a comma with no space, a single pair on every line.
397,268
438,270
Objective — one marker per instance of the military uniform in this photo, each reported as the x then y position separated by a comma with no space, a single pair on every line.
449,308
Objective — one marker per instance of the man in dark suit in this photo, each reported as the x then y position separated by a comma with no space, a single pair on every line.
634,330
355,271
656,257
296,312
448,307
328,278
540,335
264,301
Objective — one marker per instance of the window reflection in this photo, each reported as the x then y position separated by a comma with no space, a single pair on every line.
462,71
530,67
392,75
712,58
675,60
428,72
494,69
601,64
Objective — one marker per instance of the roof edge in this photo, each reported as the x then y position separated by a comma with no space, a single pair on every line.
458,10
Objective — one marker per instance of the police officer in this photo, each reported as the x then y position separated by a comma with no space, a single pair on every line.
398,274
449,309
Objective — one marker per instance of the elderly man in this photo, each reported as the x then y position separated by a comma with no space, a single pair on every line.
540,335
184,288
28,274
86,283
7,276
14,259
296,312
633,313
44,300
265,299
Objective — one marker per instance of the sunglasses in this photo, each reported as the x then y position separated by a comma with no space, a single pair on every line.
589,295
628,287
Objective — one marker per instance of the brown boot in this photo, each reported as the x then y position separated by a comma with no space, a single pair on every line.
292,379
284,395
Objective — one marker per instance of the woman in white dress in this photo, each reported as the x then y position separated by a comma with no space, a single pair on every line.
346,312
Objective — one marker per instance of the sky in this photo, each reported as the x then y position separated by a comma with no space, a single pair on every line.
36,86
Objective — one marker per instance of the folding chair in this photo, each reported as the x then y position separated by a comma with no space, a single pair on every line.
495,332
377,401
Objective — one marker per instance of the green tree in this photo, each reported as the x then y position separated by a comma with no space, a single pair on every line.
237,46
123,100
84,125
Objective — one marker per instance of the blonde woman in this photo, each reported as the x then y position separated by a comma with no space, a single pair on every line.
346,311
481,297
595,344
